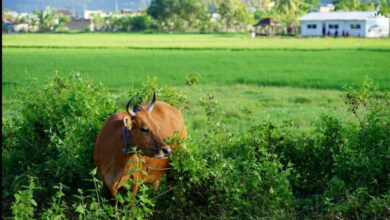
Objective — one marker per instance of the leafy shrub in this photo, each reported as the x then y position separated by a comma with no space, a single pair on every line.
164,93
339,170
222,175
141,22
57,207
53,136
192,79
24,204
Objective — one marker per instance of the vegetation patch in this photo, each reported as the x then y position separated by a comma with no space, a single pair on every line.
268,170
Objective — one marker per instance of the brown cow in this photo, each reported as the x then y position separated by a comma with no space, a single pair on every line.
144,127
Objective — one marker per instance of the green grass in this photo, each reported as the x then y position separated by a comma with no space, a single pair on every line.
246,105
120,68
188,41
298,72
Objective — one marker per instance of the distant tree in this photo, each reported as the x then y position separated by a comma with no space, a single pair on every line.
141,22
308,5
62,21
288,11
127,23
383,6
233,14
384,9
347,5
263,8
97,22
177,14
287,6
50,20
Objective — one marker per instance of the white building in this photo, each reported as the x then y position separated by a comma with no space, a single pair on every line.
345,23
88,14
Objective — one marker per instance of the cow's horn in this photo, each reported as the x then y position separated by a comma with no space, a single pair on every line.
150,107
128,109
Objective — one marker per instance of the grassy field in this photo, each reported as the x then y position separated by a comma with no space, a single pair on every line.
241,163
315,69
302,69
189,41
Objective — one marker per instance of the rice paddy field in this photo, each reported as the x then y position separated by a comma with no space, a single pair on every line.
277,78
271,134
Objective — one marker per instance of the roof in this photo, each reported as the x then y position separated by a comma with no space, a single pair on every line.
267,22
339,15
65,12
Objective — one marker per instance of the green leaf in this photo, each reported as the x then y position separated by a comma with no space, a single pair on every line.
80,209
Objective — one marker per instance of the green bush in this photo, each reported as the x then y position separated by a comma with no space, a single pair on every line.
141,22
53,136
164,93
223,175
24,204
339,170
192,79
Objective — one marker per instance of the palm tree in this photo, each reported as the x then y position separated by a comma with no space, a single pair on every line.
50,20
286,6
289,11
46,19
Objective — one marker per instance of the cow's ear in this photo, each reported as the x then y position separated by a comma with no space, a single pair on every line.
127,122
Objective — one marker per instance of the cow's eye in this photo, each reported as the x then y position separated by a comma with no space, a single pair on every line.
145,130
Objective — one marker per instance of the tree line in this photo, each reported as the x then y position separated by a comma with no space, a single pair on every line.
201,16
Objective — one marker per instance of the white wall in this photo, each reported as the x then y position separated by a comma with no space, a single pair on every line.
332,31
378,27
305,31
355,32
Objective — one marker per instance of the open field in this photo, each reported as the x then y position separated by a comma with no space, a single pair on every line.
190,41
300,63
274,140
307,69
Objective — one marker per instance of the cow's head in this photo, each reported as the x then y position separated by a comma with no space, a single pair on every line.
144,130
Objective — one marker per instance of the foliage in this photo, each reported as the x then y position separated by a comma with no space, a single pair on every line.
232,15
24,204
353,5
383,6
192,79
141,22
57,207
268,170
290,10
338,170
164,93
50,20
178,15
54,134
222,175
119,22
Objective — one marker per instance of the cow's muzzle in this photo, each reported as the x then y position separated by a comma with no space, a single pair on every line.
163,152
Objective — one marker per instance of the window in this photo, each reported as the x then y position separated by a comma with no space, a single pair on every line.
333,26
311,26
355,26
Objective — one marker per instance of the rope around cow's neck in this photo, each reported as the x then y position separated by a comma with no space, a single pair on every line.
137,148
